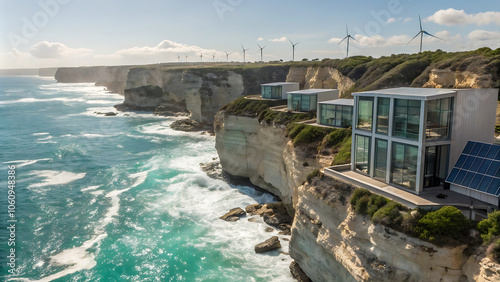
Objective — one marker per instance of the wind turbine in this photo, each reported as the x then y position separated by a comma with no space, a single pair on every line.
178,58
421,33
201,57
244,52
261,51
293,49
186,58
213,57
348,36
227,56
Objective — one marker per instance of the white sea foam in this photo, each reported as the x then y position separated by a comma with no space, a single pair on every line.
21,163
45,138
53,177
33,100
90,188
78,258
40,133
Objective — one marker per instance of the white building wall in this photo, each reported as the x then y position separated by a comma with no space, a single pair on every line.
285,88
473,119
330,95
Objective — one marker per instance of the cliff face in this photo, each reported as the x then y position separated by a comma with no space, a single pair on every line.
113,78
320,77
331,243
263,154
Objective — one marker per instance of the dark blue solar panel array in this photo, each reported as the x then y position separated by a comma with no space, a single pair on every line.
478,168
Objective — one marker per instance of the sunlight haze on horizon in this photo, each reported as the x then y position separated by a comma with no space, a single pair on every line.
55,33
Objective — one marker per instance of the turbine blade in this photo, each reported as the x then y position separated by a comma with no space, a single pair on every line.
420,21
296,43
346,30
413,38
259,46
353,38
343,39
425,32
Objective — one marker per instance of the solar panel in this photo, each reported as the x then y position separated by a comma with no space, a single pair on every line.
478,168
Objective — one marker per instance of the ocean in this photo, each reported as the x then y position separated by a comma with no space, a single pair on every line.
118,198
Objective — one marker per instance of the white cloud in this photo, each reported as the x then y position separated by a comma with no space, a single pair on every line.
391,20
407,20
282,39
378,40
484,35
54,50
260,39
451,16
334,40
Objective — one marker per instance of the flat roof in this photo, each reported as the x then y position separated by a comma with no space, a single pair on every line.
311,91
413,92
278,83
341,102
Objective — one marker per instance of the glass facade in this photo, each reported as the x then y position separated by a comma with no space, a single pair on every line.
335,115
406,118
365,113
271,92
380,158
383,115
302,103
362,153
438,119
404,165
436,164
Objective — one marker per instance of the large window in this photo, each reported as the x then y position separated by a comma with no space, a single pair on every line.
383,115
362,153
335,115
404,165
271,92
380,161
302,103
365,113
406,118
438,119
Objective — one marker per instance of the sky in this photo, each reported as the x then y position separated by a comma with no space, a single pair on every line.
56,33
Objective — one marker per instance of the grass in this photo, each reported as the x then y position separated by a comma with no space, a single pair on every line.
249,107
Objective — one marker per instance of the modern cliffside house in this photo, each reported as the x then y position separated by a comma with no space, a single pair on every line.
336,113
278,90
306,100
411,137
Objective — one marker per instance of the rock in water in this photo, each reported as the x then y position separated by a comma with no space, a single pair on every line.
212,169
251,209
186,125
230,216
298,273
268,245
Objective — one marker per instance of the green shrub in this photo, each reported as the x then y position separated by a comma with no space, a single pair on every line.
376,202
390,214
362,204
344,154
310,134
313,174
358,194
336,137
442,225
490,227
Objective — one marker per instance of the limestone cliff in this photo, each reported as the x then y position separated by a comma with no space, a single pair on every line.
113,78
331,243
262,153
320,77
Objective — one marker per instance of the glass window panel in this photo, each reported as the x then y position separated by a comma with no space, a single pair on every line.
485,184
460,176
380,158
452,175
404,165
362,152
484,150
407,119
365,113
468,147
383,115
476,181
346,116
468,162
438,119
494,167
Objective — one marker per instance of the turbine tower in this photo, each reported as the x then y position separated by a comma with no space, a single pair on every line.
227,56
213,57
348,36
293,49
244,52
201,57
261,48
421,33
186,58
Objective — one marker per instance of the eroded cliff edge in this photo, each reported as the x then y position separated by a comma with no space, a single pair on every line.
329,240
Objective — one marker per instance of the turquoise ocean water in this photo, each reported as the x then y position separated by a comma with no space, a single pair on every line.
117,198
